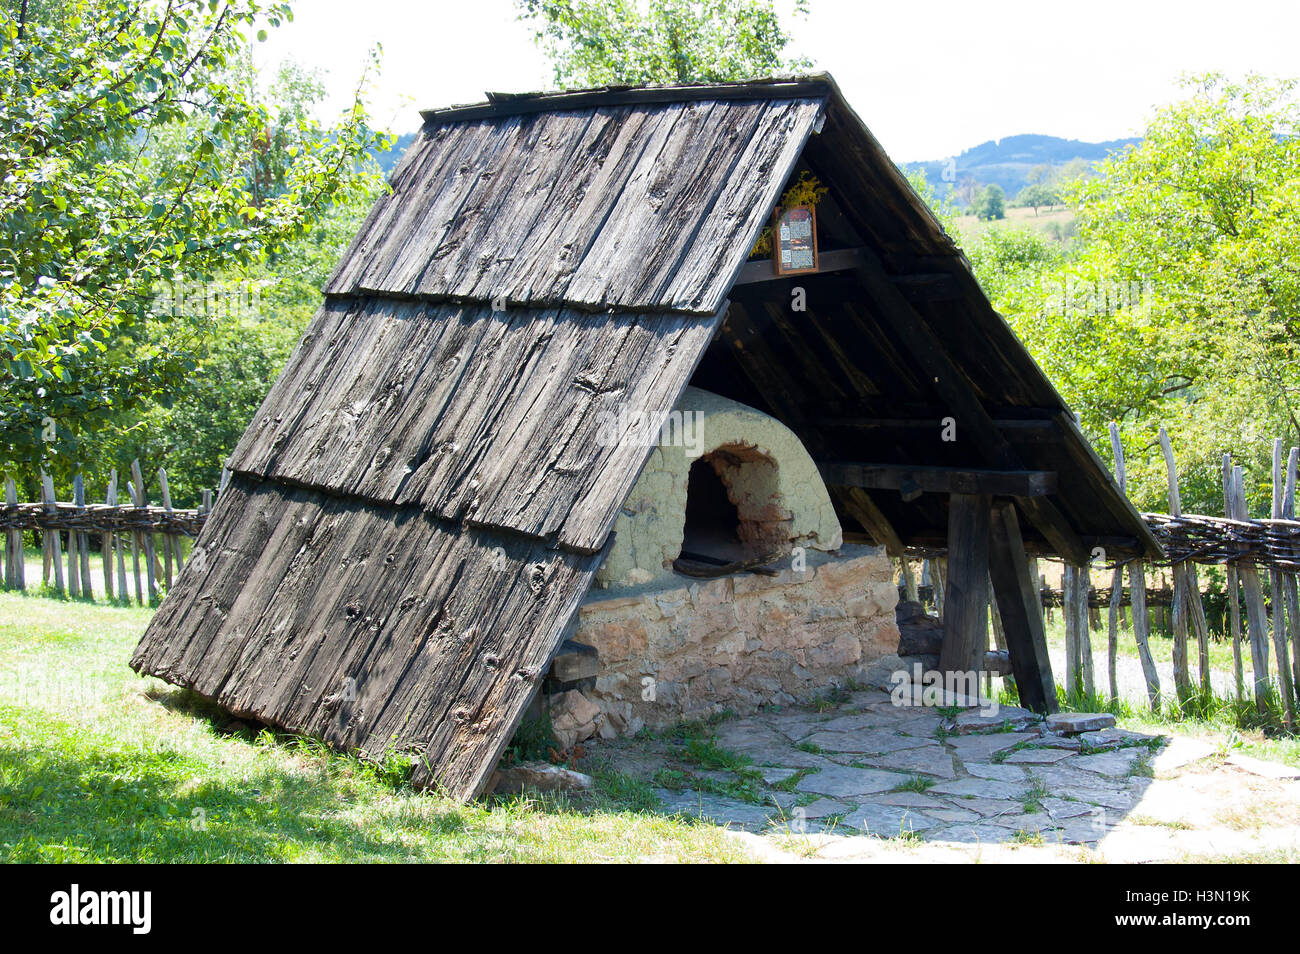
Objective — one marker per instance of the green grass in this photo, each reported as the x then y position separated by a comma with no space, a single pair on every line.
99,765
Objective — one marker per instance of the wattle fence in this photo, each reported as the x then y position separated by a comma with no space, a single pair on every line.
1260,604
142,546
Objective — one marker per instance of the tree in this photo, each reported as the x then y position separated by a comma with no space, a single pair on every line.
1180,303
1035,195
135,153
599,42
990,203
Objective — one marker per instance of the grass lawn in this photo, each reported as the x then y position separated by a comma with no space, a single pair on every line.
970,228
97,764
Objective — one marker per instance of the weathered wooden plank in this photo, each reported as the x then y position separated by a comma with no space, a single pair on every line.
647,207
965,599
1020,610
744,204
477,254
491,416
377,628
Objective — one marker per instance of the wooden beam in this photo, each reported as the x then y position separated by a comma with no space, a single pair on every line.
832,260
863,509
1013,429
974,424
1021,611
939,480
966,596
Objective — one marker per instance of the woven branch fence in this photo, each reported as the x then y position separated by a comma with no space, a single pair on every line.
1260,606
1253,552
143,546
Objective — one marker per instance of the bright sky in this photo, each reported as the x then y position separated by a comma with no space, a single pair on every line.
930,79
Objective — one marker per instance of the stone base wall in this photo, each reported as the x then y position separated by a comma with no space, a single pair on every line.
738,643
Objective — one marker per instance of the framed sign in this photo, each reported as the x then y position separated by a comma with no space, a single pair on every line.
794,240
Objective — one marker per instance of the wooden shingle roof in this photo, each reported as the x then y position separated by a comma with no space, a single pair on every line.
421,502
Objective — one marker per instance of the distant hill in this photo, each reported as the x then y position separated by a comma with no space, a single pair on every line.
1006,162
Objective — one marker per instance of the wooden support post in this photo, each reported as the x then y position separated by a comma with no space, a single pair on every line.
966,592
938,577
1256,616
1114,618
1083,581
1278,595
1020,607
909,579
1117,576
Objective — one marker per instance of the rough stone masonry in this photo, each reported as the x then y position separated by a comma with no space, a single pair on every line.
681,650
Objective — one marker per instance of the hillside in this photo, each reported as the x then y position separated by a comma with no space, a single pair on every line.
1007,162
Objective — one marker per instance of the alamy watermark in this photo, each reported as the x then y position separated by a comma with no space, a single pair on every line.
190,298
1074,297
932,688
625,427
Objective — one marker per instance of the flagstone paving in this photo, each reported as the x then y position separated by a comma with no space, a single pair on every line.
940,780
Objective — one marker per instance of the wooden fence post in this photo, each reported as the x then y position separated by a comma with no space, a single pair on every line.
53,547
1070,614
135,544
106,539
938,573
1278,598
1187,594
1256,617
1083,606
909,579
17,569
1234,605
74,563
142,501
1289,579
169,541
1117,575
1137,582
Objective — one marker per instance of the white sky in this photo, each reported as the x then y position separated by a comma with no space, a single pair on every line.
930,79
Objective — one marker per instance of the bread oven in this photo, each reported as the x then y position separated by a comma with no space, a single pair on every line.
728,585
